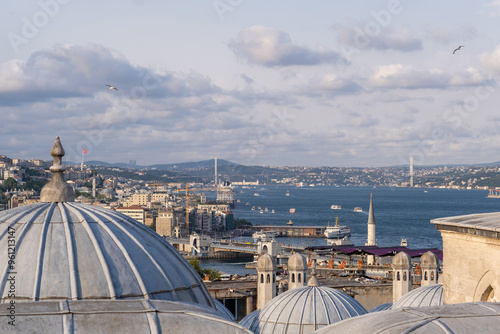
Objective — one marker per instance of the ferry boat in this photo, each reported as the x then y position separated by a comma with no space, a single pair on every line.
292,210
256,194
336,207
358,209
337,231
264,235
345,241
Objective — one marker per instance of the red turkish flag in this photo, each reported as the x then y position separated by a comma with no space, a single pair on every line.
84,151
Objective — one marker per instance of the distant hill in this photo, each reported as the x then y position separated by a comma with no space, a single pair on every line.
206,164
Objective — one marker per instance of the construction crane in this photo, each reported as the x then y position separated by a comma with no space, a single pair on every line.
187,203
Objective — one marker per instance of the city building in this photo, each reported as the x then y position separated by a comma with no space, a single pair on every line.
135,212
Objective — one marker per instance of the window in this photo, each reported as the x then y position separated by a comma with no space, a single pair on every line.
299,278
432,275
262,278
293,278
425,276
404,276
268,278
398,277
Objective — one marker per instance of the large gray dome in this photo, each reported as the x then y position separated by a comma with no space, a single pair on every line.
138,316
464,318
303,310
430,295
70,250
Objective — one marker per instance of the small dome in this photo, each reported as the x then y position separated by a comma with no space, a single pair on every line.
71,250
297,262
265,262
429,260
303,310
464,318
117,316
381,307
401,260
430,295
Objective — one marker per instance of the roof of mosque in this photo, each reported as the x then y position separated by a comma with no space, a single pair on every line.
430,295
117,316
381,307
297,262
303,310
483,224
478,317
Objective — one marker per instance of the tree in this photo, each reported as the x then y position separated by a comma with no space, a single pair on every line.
213,274
10,183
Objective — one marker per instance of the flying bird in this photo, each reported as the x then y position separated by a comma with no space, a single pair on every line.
111,87
457,49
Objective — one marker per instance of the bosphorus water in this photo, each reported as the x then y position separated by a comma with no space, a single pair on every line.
399,212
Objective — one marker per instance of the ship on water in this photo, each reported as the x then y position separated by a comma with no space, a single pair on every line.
337,231
336,207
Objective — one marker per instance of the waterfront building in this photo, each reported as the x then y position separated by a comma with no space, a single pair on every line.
226,194
168,220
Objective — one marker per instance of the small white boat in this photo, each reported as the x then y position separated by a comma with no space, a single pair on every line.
266,209
336,207
253,207
287,194
272,211
358,209
256,194
292,210
261,211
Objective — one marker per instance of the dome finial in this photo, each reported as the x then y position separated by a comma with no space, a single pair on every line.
313,281
57,190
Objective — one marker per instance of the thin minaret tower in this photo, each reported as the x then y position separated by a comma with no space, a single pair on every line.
371,241
411,171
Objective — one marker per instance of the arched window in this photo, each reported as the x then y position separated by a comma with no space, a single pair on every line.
262,278
425,276
432,275
404,276
298,278
293,278
274,278
398,278
268,278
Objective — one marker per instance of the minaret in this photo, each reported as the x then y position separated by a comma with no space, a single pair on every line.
57,190
429,266
297,271
266,279
93,187
371,241
401,275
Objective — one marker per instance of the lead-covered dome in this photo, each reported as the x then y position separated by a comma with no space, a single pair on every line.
430,295
60,249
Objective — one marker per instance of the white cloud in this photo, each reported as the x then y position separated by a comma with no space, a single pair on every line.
269,46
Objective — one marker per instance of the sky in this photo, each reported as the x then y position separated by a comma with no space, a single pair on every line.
277,83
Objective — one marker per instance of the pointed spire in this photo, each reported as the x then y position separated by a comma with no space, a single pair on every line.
57,190
371,215
313,281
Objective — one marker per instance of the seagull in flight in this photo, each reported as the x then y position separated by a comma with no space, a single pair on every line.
111,87
457,49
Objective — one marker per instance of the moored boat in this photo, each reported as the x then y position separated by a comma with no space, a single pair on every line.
337,231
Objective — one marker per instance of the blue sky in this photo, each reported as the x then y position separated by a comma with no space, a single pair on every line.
255,82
